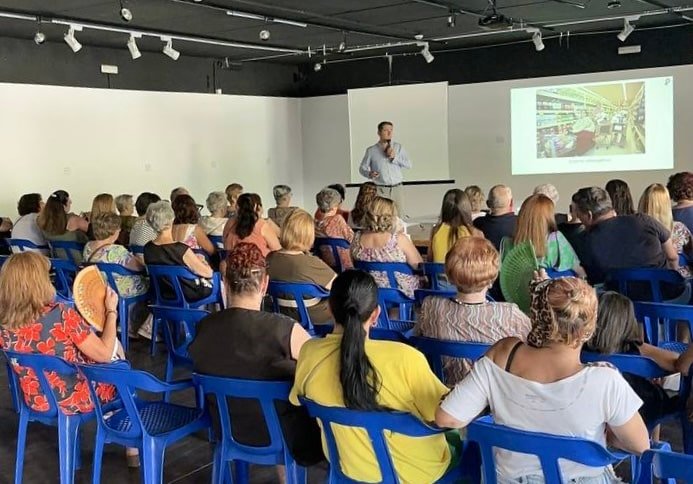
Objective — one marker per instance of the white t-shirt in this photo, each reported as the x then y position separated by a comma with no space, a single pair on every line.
578,406
26,228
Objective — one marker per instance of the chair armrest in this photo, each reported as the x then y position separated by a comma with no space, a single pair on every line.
177,385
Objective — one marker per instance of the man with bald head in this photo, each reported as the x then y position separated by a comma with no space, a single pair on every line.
501,220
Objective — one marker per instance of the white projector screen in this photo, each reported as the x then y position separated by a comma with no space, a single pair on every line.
622,125
419,113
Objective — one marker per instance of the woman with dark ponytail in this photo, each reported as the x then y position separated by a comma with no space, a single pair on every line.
348,369
249,226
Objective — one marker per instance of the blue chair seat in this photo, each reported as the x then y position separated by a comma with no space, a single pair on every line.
158,418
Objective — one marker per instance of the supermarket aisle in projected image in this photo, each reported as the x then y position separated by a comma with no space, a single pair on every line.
602,119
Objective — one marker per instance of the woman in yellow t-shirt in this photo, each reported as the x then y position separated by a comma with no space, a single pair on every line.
455,223
347,369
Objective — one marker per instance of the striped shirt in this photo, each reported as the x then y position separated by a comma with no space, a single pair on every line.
487,322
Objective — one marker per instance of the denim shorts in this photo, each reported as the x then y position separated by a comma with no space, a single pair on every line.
606,477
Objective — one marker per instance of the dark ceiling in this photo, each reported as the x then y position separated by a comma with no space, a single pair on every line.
377,24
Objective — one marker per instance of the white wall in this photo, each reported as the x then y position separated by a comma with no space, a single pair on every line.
88,141
479,137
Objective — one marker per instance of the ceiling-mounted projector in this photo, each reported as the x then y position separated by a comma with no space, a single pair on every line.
495,21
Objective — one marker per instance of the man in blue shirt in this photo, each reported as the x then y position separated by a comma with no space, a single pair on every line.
383,163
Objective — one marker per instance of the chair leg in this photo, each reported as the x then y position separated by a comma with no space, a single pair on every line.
220,468
98,455
68,427
155,333
21,444
153,461
169,376
123,316
13,389
241,472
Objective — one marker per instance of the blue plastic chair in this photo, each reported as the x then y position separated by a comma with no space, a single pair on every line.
111,271
65,272
180,328
68,425
228,448
22,245
171,276
554,274
436,349
377,425
334,245
391,296
218,242
662,318
623,278
149,425
137,250
295,291
548,448
68,250
661,464
433,270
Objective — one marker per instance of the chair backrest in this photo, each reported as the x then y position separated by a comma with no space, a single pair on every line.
661,464
389,298
436,349
376,424
655,315
266,393
554,274
39,365
180,328
170,277
111,270
20,245
432,270
548,448
65,272
295,291
64,249
137,249
389,268
633,364
624,278
217,241
333,244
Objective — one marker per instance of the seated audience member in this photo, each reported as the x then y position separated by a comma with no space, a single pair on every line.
472,265
574,231
455,223
656,203
213,224
57,224
282,196
176,192
294,263
680,188
104,248
379,242
185,227
165,251
533,387
622,242
233,191
367,193
621,199
5,235
249,226
332,225
501,220
618,332
537,224
33,323
26,226
550,191
477,200
220,348
126,208
341,189
142,232
348,369
102,203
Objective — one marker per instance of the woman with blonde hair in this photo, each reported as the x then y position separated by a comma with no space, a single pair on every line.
379,241
294,263
477,200
536,223
534,386
656,203
367,193
102,203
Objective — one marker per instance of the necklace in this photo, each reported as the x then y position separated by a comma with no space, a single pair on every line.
465,303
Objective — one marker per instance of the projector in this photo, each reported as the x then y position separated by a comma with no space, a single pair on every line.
495,21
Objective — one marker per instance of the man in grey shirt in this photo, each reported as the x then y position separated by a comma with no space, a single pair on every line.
383,163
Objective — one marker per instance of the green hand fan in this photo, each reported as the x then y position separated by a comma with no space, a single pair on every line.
517,271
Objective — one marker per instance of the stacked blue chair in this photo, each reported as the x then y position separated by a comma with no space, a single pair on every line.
64,272
377,425
72,251
171,277
228,449
435,350
334,245
295,292
21,245
111,271
623,278
661,464
548,449
149,425
68,425
663,318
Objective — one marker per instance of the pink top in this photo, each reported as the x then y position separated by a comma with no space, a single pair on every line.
231,239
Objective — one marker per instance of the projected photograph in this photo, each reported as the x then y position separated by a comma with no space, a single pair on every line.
591,120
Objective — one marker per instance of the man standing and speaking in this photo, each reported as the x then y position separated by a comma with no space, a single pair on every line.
383,163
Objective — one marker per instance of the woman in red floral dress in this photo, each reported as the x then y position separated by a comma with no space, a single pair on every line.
31,323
